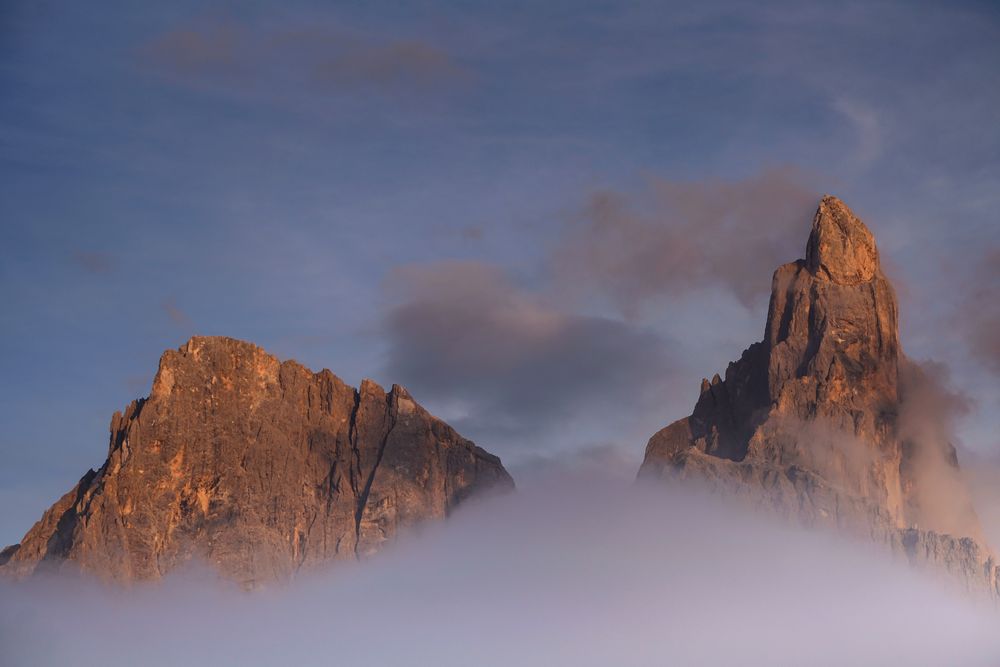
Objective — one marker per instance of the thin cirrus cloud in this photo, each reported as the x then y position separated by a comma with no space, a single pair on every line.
867,127
463,333
317,58
680,235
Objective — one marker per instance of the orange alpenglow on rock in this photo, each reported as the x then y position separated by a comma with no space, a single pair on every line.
812,422
258,467
840,249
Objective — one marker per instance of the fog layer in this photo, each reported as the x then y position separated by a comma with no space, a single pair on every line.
576,568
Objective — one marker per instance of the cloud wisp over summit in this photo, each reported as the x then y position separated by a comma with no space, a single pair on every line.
676,236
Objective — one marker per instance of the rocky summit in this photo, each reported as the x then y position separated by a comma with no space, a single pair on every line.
826,422
259,468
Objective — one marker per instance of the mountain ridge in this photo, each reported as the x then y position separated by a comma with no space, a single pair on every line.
259,467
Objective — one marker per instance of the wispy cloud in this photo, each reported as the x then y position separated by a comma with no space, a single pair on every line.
929,409
679,235
319,57
396,63
177,316
94,262
867,128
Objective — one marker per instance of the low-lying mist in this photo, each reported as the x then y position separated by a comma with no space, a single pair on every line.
576,568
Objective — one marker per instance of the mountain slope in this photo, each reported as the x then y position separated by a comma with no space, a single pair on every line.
821,421
257,466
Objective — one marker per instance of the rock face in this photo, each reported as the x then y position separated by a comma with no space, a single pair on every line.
258,467
825,421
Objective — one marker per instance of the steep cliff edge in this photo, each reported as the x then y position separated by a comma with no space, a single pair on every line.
258,467
818,421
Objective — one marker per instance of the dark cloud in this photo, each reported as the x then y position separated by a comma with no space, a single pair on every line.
506,361
94,262
676,236
979,315
608,460
321,56
461,332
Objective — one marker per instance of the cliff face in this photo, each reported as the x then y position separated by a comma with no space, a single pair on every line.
816,422
258,467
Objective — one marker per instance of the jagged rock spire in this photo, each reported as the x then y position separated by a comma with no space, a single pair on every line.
841,248
807,423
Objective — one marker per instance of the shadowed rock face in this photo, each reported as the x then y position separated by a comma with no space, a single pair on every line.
258,467
809,423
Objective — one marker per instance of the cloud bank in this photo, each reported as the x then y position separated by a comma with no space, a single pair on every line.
574,569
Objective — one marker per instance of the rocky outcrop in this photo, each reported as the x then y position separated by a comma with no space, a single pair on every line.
818,422
259,468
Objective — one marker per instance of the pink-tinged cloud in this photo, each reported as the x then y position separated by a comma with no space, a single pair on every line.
680,235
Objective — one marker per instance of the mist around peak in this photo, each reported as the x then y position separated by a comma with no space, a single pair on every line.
579,567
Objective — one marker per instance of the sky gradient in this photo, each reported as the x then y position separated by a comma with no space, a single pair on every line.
548,220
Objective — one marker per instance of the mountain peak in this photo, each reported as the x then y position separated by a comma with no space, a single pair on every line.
260,468
841,248
812,424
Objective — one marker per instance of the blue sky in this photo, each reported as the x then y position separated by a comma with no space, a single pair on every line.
401,190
